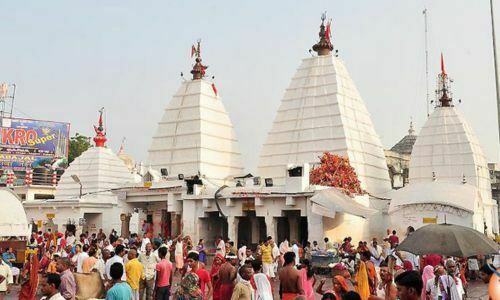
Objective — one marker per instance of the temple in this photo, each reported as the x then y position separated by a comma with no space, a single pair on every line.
195,136
84,196
448,175
322,111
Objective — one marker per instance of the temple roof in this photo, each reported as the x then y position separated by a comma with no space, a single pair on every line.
322,111
448,150
405,145
98,169
196,136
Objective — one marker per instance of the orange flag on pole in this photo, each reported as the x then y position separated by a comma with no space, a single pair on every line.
442,65
193,50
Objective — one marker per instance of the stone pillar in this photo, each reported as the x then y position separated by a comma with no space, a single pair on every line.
232,228
315,229
271,227
190,219
125,218
294,227
254,230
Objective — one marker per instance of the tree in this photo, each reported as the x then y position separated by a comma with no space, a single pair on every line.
77,145
335,171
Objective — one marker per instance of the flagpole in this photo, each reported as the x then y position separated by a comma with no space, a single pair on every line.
495,65
426,63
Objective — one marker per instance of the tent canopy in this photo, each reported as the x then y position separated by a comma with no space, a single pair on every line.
328,202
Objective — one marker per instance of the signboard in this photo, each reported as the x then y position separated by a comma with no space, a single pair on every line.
429,220
248,206
32,143
51,216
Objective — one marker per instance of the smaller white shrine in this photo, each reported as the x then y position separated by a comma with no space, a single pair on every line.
13,221
449,179
84,196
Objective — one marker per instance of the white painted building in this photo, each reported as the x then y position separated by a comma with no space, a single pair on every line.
84,196
321,111
195,134
449,175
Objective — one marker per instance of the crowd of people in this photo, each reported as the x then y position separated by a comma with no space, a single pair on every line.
143,267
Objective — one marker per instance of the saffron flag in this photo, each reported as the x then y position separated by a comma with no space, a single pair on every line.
214,88
327,32
193,50
442,65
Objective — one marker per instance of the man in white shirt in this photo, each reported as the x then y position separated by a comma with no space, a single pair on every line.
295,249
145,241
242,254
6,279
377,256
451,268
119,253
49,286
220,247
149,261
81,258
71,239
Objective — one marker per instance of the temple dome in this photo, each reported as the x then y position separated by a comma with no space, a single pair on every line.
13,221
196,136
322,111
99,170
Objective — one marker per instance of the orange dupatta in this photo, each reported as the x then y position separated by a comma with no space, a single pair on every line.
363,286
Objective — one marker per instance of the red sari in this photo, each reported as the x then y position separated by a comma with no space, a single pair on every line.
214,275
30,270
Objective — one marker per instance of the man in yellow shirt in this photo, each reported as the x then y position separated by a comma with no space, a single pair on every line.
267,258
135,272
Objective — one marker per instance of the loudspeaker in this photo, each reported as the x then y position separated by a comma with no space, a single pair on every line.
269,181
180,176
164,172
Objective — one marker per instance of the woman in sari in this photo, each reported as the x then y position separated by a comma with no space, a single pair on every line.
29,277
427,275
362,283
214,275
201,249
189,288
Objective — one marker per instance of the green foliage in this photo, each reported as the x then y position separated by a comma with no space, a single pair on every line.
77,145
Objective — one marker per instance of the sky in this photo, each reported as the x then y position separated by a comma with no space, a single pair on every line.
70,58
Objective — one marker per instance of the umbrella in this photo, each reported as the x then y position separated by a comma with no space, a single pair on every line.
449,240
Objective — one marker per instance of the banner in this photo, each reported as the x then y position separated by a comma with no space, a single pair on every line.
32,143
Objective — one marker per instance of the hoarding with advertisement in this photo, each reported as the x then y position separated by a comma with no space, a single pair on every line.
32,143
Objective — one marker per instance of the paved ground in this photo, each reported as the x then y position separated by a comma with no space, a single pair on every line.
476,290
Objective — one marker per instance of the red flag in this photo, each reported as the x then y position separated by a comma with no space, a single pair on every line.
193,50
327,32
214,88
442,65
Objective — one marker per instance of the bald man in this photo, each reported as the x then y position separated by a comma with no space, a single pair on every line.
135,271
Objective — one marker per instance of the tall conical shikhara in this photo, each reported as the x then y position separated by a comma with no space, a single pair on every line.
447,150
322,111
195,134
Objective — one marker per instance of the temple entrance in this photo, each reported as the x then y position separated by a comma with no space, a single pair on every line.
283,229
210,227
292,227
166,223
251,229
93,221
